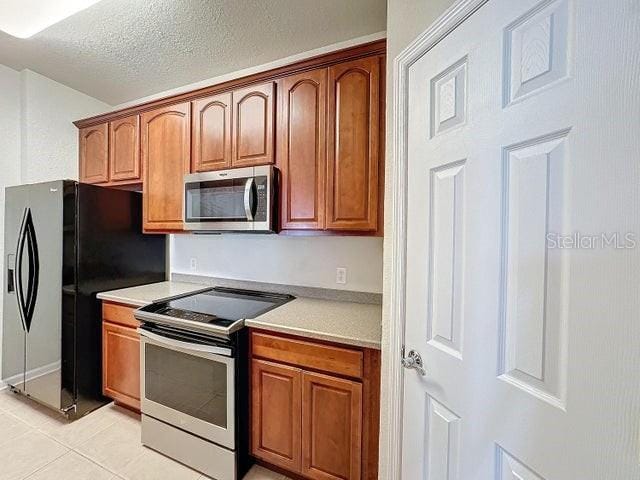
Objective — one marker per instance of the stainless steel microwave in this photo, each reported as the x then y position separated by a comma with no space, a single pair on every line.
236,200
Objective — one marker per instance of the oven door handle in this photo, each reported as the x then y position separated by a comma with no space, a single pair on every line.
248,209
170,342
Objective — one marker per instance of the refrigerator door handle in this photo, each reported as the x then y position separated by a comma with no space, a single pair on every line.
27,300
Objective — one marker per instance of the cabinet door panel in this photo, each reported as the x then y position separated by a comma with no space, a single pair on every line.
166,138
253,135
276,411
353,145
124,149
94,156
212,133
331,427
301,150
121,364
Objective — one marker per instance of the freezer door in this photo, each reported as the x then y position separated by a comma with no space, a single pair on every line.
13,331
37,299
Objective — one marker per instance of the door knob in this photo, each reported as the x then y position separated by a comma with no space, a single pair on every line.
413,361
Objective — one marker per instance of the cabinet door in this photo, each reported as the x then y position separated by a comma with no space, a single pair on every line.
166,145
121,364
353,145
211,133
124,149
331,427
253,114
301,149
275,411
94,156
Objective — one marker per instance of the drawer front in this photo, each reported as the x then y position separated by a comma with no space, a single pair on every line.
120,314
308,354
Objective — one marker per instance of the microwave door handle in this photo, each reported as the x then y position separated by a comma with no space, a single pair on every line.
170,342
247,198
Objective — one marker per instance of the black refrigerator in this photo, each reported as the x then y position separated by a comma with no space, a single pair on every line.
64,242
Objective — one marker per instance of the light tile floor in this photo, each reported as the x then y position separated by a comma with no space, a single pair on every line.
38,444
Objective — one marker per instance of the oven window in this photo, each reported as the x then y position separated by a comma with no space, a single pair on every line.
216,200
190,384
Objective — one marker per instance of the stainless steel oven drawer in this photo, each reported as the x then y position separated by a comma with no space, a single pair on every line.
206,457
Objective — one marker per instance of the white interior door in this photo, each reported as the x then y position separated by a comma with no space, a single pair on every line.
522,289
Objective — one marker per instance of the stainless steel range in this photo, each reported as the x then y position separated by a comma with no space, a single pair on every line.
194,377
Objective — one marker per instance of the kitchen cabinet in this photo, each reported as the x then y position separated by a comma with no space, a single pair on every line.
166,158
252,132
301,149
331,427
124,150
120,355
315,406
94,154
353,145
276,406
319,120
211,134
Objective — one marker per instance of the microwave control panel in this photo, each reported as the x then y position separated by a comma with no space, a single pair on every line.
263,199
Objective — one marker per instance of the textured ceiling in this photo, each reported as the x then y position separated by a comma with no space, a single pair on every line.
121,50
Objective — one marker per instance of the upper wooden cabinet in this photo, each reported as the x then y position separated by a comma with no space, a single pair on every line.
301,149
94,156
124,150
353,145
211,134
253,134
166,145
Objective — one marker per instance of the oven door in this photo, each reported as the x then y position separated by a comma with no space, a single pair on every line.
188,385
232,200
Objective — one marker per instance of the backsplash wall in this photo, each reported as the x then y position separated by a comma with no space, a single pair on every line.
305,261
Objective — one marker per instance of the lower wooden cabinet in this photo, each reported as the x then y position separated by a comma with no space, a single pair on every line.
331,427
308,417
120,355
276,406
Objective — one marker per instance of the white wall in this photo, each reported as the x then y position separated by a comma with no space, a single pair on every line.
406,19
306,261
49,138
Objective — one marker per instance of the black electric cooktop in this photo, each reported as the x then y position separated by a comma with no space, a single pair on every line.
219,307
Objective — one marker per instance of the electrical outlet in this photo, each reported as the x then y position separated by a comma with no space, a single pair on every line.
341,275
193,264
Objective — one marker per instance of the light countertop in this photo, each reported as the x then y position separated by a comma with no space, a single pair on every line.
348,323
146,294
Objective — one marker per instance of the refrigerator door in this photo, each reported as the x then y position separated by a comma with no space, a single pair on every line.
38,288
13,331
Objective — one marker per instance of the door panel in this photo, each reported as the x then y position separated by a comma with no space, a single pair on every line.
166,134
253,133
211,133
505,165
331,427
94,156
13,332
124,149
353,145
276,413
121,364
302,149
44,335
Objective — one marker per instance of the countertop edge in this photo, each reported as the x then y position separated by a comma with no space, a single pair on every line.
301,332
